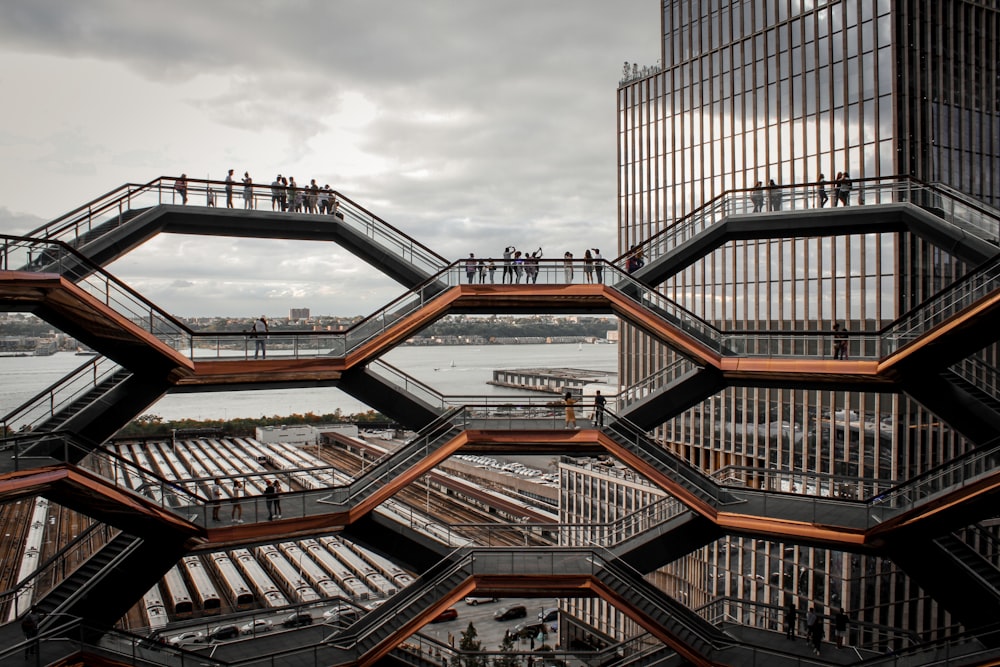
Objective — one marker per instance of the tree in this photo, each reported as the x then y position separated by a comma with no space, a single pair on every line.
469,644
507,648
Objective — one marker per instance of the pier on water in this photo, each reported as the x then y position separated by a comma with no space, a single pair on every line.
551,380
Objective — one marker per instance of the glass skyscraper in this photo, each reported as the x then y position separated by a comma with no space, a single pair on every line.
751,91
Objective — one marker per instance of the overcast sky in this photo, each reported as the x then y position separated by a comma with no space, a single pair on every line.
469,124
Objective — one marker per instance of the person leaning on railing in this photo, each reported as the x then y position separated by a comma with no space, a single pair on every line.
181,186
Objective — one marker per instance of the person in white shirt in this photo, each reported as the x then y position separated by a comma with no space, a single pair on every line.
259,333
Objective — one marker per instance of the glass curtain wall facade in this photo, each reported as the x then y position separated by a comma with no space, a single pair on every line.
753,90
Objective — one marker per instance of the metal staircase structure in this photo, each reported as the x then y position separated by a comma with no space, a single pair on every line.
56,273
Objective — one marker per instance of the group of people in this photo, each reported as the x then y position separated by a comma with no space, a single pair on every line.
600,404
773,196
517,264
286,195
814,626
236,494
841,190
635,260
842,186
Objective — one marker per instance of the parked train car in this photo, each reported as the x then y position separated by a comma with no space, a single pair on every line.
203,591
156,611
314,574
285,573
342,574
374,579
178,598
234,586
394,573
321,475
268,591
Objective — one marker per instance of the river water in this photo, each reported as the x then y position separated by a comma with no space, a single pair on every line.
451,369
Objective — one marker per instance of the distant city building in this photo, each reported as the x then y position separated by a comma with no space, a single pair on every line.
752,91
298,314
302,434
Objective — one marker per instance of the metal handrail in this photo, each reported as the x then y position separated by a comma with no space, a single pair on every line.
68,227
740,200
63,392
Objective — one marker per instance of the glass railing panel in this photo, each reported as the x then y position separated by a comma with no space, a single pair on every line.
104,213
865,636
658,456
958,209
102,287
983,282
390,238
652,383
20,254
240,346
305,201
801,482
953,207
666,309
985,377
808,344
55,569
408,384
108,211
63,393
948,477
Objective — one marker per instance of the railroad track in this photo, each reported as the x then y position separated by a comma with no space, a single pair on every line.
444,507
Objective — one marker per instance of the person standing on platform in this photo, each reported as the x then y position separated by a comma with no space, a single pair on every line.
840,621
774,195
216,499
229,189
276,191
588,266
181,186
247,191
568,266
837,181
269,500
844,191
599,403
598,265
492,268
508,270
569,402
757,197
791,617
823,196
814,629
277,499
839,342
259,332
237,514
481,269
470,268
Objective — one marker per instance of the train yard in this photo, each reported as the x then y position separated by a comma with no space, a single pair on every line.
278,576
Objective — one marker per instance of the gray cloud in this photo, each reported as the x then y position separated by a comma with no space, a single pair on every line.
490,123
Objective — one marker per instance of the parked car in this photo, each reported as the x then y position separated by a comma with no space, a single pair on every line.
184,638
341,616
297,620
479,599
550,614
508,613
223,632
527,630
256,627
448,614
